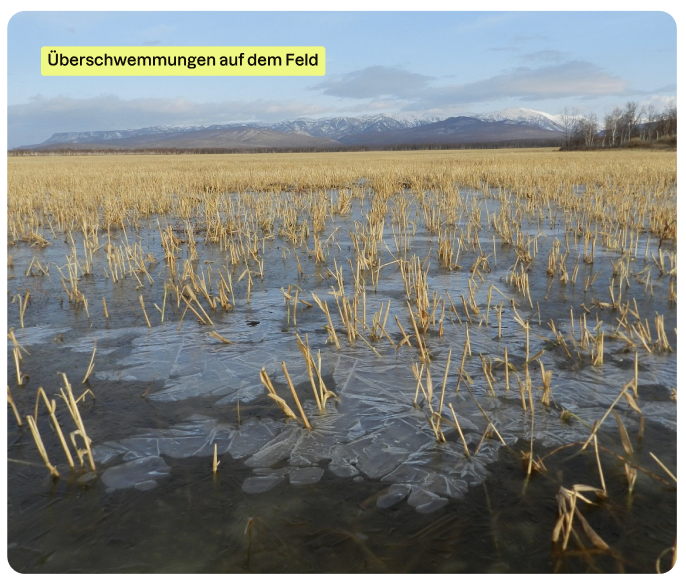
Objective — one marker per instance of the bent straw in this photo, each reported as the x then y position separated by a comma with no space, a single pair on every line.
295,396
41,447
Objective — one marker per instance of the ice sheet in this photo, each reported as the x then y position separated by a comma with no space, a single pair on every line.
142,473
374,430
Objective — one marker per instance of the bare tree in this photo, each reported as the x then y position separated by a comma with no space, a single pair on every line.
668,119
612,125
569,119
590,129
649,128
630,120
586,131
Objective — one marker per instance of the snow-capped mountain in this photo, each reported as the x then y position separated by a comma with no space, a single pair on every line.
367,130
99,136
519,114
332,128
338,127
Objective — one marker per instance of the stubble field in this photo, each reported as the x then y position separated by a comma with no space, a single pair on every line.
431,361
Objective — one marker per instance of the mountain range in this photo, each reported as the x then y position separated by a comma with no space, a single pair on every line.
508,125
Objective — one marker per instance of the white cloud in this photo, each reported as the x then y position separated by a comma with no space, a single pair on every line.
374,82
570,79
659,102
368,90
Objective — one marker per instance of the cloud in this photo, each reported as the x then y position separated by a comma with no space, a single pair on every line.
546,55
35,121
666,89
374,82
659,102
370,106
373,89
565,80
412,91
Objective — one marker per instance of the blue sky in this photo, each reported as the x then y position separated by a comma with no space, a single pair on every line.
439,63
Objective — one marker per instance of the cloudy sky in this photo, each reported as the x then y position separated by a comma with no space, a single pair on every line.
439,63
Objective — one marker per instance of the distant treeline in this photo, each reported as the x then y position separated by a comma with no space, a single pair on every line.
631,127
276,150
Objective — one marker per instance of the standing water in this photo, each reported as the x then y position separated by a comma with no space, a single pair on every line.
422,382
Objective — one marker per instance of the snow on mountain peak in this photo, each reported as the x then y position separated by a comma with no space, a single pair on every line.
333,128
521,114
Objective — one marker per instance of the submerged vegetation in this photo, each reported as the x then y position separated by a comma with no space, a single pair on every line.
441,308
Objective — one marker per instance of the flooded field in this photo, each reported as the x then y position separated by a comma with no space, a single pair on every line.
373,362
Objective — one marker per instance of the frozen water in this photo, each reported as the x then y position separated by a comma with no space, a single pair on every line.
250,437
141,473
195,365
196,437
394,495
277,449
373,430
29,336
304,476
425,501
